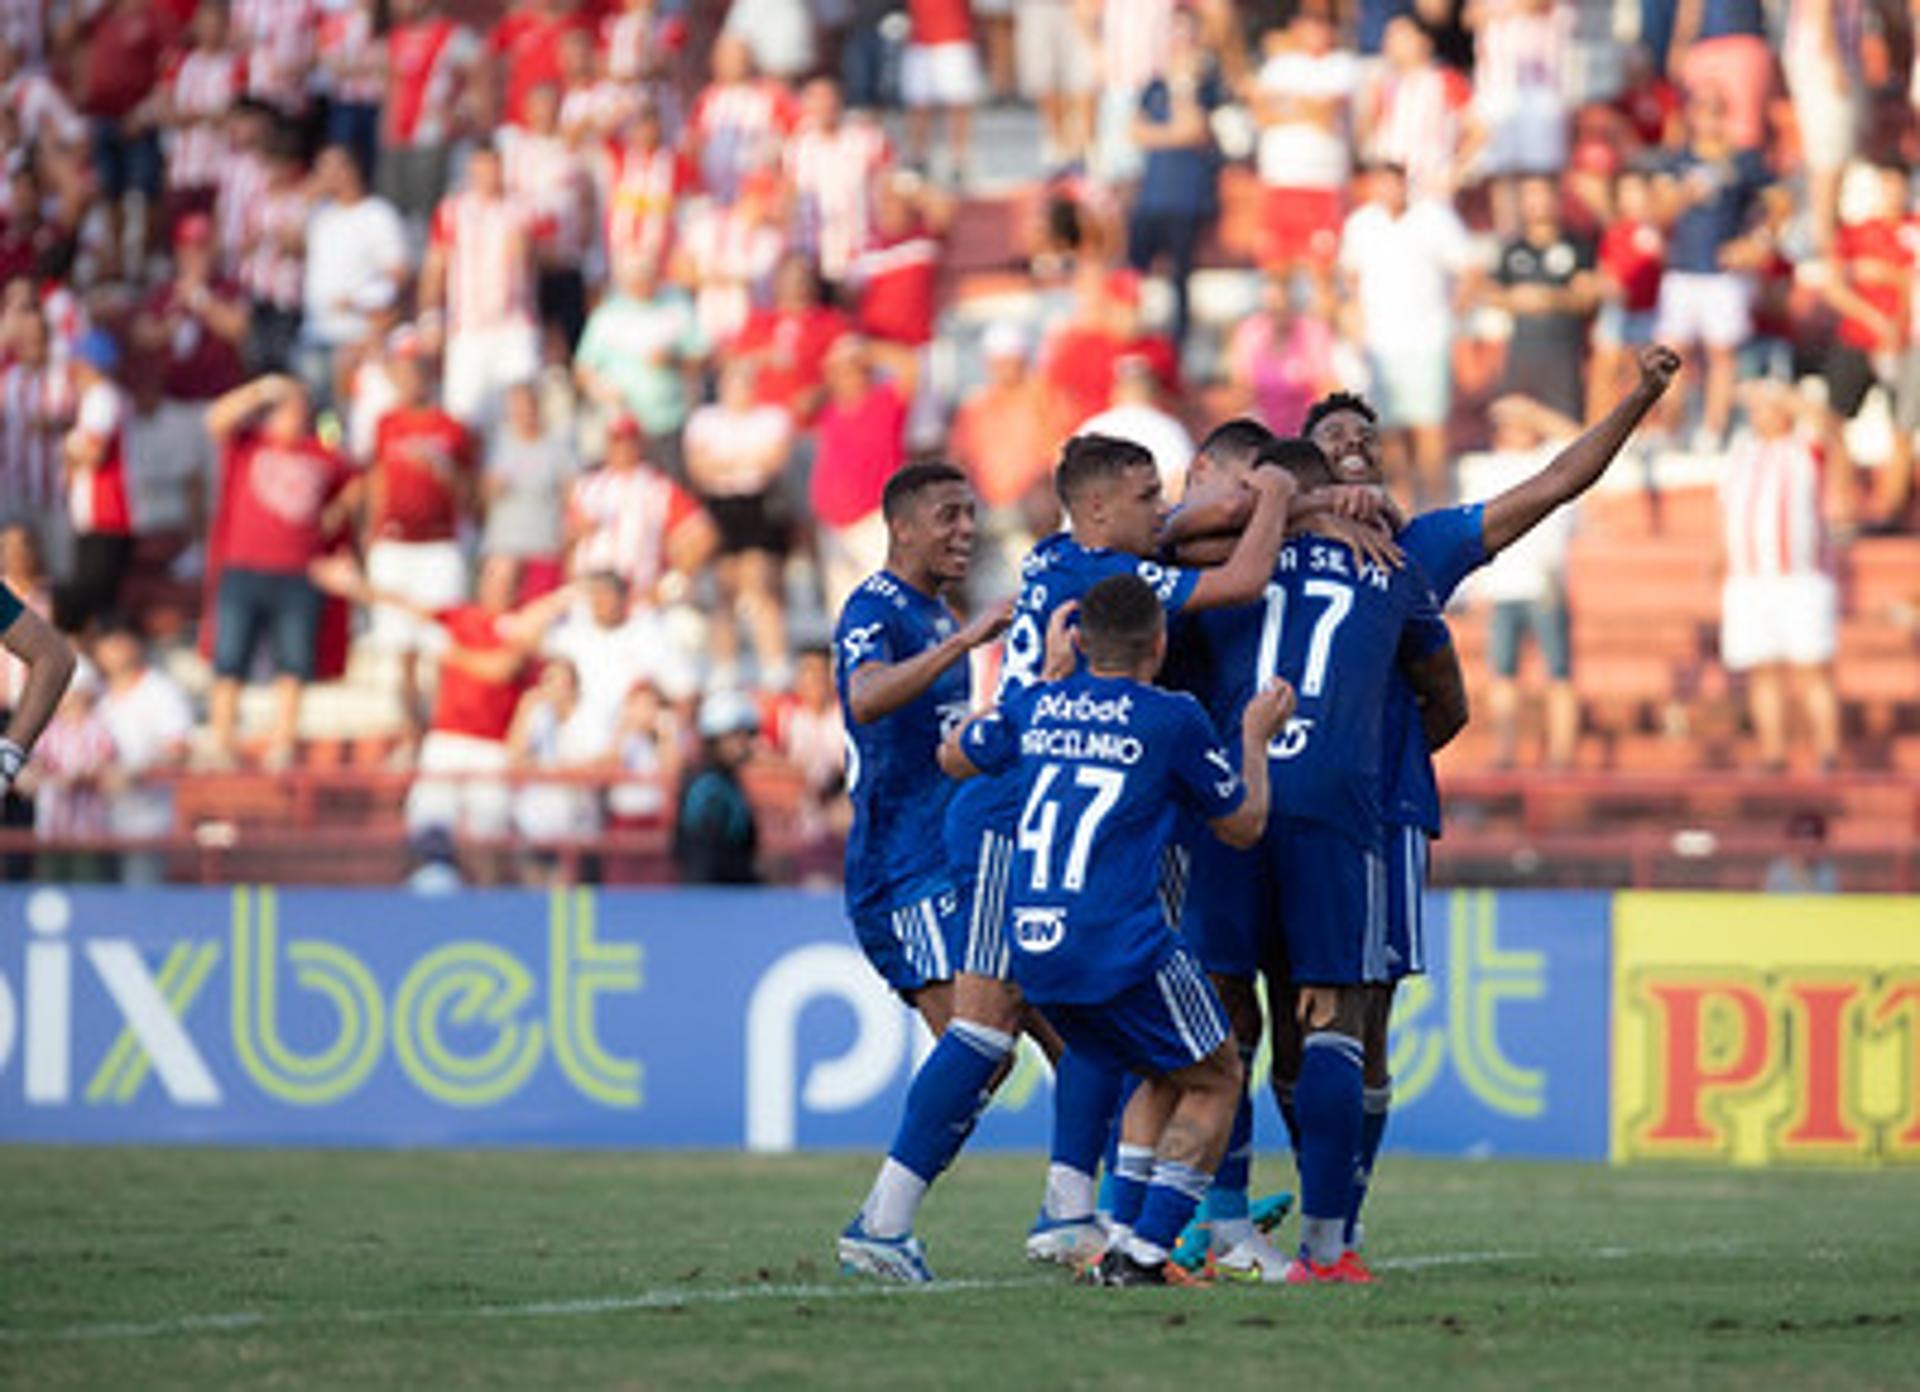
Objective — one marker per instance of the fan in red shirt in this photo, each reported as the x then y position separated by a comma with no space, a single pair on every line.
283,494
1631,259
788,343
1079,358
96,471
197,322
526,42
900,271
1868,283
420,489
487,664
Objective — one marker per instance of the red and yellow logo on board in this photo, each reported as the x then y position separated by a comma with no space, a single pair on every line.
1759,1030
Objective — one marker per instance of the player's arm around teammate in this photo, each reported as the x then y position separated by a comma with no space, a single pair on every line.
878,689
49,661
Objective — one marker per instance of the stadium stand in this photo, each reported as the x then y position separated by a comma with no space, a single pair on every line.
708,184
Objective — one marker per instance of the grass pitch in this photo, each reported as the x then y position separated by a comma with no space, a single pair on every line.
135,1269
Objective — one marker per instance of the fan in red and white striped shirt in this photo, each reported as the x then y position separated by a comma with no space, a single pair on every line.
277,38
625,513
1770,502
428,60
23,29
273,258
36,407
200,87
739,122
545,175
643,181
483,240
1417,112
834,165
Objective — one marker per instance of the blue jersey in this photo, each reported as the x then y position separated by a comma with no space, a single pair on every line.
1449,544
899,794
1335,628
1103,767
1057,570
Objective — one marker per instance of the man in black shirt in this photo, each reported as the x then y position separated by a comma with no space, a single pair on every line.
1546,282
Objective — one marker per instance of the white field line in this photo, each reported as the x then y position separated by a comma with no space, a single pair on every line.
682,1297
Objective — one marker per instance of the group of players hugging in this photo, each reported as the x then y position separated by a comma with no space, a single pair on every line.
1209,760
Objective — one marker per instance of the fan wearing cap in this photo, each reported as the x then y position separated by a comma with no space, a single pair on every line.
96,474
715,838
420,488
630,518
197,322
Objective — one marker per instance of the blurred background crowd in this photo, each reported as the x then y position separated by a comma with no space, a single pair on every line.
450,427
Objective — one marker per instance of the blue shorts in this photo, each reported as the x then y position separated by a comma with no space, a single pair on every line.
1406,899
1333,904
983,907
1229,907
916,943
1165,1023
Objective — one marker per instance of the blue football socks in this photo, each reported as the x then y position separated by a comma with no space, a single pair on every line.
1375,1103
1328,1099
946,1099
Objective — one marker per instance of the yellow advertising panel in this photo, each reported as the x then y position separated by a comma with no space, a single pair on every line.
1760,1030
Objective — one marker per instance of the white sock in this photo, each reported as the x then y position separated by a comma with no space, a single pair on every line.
1323,1239
893,1201
1070,1194
1228,1233
1143,1251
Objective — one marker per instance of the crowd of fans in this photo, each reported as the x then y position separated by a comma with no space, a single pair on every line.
561,362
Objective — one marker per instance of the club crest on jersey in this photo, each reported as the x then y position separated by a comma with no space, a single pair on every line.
1039,930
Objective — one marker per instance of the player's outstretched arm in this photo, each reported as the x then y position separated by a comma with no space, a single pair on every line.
50,662
1441,689
878,689
1579,466
1247,570
1264,718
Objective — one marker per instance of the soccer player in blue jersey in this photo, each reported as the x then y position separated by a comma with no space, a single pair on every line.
1448,544
1117,520
1104,764
1336,629
49,661
901,668
1230,910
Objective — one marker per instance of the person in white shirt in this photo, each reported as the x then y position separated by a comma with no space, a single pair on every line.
736,451
356,262
1526,582
169,465
614,647
1303,98
1136,415
150,721
1405,267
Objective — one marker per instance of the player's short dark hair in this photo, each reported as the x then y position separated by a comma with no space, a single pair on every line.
1120,621
1238,441
1090,459
1332,404
1306,461
911,482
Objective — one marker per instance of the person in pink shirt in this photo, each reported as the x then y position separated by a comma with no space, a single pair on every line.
1280,361
860,442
